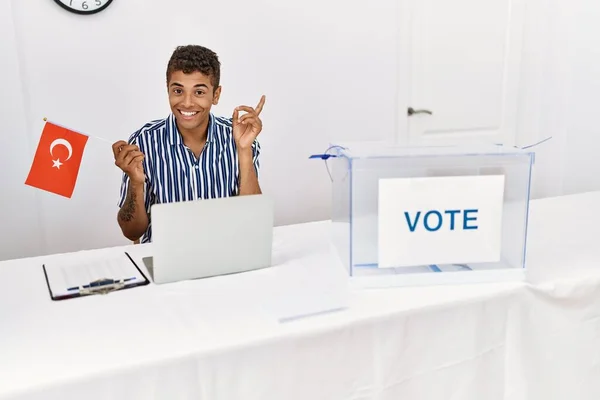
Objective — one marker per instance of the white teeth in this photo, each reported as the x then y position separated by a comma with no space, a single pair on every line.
188,114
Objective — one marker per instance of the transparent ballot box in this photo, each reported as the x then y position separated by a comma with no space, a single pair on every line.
426,215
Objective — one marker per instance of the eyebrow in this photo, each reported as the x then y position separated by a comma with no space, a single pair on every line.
196,86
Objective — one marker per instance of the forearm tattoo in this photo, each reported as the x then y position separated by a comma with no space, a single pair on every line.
128,210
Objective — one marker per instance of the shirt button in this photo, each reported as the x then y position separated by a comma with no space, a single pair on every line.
197,167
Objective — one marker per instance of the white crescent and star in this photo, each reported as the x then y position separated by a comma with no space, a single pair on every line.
60,142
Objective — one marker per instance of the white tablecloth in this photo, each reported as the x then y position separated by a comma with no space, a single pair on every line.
215,339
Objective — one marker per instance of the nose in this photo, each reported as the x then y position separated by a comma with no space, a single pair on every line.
187,100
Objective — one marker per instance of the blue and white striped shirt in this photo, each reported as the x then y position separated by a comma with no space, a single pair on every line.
174,174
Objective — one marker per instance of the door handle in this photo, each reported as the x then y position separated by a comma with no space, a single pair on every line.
412,111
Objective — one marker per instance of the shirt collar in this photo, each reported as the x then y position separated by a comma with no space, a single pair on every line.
175,137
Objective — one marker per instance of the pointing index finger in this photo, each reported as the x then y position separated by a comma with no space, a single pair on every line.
260,105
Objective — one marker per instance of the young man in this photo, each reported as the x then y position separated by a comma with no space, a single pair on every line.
191,154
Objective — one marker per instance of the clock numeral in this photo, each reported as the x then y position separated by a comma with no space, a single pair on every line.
83,6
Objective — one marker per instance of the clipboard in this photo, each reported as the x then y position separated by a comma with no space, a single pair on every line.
102,286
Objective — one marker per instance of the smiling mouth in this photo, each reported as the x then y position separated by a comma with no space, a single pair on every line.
188,114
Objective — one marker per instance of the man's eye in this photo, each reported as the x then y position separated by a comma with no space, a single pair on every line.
177,91
199,92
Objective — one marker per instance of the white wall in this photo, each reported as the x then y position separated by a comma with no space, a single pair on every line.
329,70
582,147
20,232
560,94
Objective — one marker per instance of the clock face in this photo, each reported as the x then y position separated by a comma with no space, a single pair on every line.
84,6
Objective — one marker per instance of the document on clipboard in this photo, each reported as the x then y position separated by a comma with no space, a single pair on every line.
82,276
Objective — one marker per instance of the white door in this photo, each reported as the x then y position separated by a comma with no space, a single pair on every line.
459,82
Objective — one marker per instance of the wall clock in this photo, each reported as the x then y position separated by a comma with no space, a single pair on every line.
84,6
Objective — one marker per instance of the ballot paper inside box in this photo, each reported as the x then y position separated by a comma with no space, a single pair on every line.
427,215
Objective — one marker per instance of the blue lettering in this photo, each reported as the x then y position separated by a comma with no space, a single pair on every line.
426,220
452,213
433,220
412,226
466,218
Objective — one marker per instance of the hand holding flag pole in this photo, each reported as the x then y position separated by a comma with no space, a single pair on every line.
57,159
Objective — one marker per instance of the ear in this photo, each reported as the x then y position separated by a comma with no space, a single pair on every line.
216,96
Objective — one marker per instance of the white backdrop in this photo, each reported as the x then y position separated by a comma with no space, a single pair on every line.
559,94
328,69
324,75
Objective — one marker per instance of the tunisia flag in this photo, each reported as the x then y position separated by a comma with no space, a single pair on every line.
57,159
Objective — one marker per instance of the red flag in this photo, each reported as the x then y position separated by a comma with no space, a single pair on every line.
57,159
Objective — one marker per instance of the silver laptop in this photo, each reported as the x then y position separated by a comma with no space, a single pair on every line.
204,238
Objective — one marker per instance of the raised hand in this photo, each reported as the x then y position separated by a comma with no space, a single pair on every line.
247,127
129,158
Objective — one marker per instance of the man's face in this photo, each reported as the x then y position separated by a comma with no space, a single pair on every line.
191,96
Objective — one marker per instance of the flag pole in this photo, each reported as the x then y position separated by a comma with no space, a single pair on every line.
92,136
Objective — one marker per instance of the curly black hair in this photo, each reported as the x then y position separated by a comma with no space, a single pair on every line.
194,58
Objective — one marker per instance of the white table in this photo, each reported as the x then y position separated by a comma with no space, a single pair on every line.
206,339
